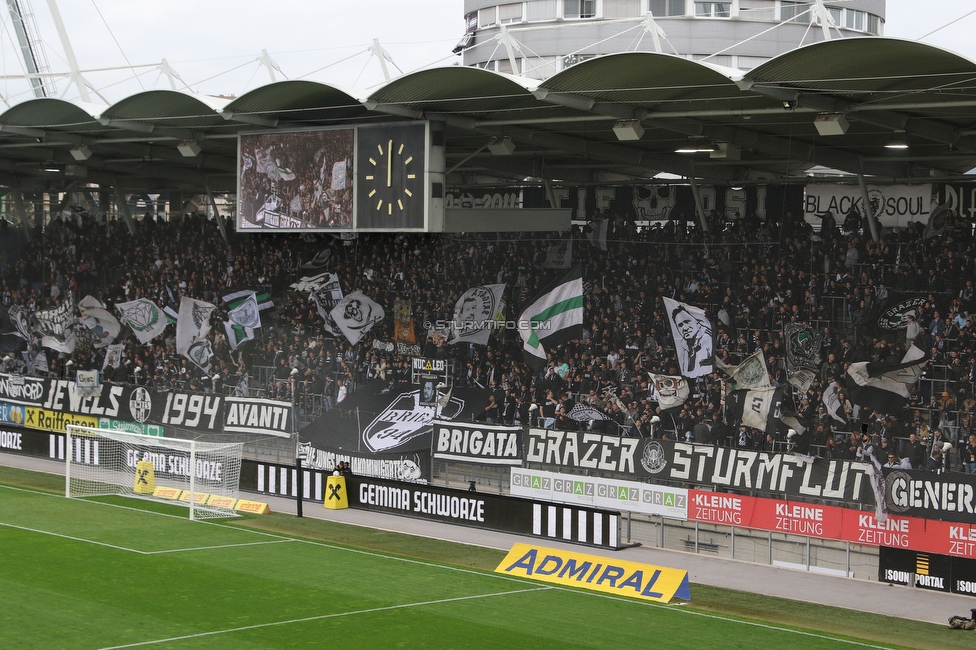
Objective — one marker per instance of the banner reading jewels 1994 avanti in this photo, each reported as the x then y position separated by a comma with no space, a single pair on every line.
50,404
690,464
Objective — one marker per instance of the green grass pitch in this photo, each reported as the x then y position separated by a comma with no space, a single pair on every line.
118,573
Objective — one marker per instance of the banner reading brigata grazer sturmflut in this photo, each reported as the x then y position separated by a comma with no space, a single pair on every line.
663,460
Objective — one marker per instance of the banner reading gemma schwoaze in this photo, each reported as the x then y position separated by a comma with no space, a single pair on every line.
389,418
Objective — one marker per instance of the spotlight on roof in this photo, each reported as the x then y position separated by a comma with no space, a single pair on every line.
501,147
628,130
81,153
189,149
831,124
897,143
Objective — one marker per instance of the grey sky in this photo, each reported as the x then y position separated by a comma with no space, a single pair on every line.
213,44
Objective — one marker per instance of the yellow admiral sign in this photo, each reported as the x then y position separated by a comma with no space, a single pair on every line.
167,492
595,572
255,507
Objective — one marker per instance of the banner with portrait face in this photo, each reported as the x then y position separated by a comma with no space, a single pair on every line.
692,334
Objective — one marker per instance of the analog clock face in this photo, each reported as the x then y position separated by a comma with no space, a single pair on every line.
391,165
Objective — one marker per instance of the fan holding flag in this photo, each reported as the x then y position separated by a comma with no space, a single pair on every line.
553,318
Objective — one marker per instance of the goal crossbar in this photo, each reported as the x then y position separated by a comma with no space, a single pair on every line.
204,476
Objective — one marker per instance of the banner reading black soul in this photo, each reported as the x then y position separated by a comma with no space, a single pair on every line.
780,474
900,566
915,493
484,444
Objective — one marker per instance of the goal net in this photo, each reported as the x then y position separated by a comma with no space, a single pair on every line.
205,476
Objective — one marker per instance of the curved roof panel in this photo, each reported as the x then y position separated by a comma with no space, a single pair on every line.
458,89
293,96
167,107
48,112
877,89
643,79
868,65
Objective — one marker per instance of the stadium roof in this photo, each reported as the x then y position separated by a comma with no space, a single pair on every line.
771,124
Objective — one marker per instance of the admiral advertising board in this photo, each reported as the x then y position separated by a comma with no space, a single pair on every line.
597,573
484,444
692,464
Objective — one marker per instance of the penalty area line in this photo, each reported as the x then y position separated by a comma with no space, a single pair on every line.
210,548
75,539
324,617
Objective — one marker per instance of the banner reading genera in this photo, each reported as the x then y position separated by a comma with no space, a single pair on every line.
915,493
691,464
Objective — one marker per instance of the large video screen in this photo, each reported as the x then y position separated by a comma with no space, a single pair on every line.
296,180
371,178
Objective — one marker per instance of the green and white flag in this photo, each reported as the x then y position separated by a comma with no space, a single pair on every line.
145,318
244,315
554,317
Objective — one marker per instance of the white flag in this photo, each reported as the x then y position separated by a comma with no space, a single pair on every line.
339,175
55,326
103,325
146,319
192,327
692,333
114,355
751,373
671,391
246,314
474,314
355,315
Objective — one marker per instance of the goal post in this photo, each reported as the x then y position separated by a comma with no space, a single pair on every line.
204,476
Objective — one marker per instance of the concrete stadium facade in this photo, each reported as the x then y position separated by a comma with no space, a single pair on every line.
539,38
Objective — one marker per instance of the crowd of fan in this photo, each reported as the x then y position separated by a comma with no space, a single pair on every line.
751,276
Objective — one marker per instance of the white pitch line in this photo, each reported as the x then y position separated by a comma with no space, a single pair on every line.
209,548
680,608
474,572
76,539
326,616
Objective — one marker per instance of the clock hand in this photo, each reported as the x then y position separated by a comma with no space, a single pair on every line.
389,164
